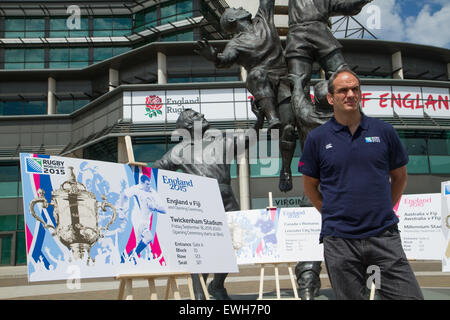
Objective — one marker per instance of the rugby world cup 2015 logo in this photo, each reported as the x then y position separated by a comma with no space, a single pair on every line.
34,165
153,106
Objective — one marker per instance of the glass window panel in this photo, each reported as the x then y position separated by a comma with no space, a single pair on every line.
139,19
120,50
58,28
34,55
14,55
11,108
34,24
59,55
101,54
229,78
439,146
171,37
415,146
64,106
417,164
20,222
8,223
34,28
186,36
14,24
151,18
13,65
149,152
168,13
79,103
233,169
179,80
35,107
103,27
59,65
33,34
78,64
21,251
5,257
9,189
9,172
79,54
14,34
440,164
58,24
15,28
184,6
34,65
122,26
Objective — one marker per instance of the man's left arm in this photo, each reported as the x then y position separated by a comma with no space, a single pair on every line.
398,177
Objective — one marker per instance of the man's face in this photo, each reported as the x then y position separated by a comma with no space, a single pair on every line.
347,93
146,186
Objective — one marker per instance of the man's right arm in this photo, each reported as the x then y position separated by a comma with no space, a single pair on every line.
311,190
166,162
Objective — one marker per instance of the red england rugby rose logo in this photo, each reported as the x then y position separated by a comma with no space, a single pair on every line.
153,105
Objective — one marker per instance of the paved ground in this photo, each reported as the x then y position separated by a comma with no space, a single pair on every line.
241,286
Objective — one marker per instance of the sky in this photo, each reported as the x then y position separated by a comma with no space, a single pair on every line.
416,21
423,22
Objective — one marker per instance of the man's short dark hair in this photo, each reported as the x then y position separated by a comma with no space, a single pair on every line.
334,76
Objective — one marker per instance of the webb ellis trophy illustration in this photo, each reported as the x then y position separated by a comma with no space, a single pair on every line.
76,216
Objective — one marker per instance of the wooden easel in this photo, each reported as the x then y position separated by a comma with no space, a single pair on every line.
276,265
126,284
277,279
128,157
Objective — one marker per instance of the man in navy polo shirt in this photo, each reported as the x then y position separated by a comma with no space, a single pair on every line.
354,171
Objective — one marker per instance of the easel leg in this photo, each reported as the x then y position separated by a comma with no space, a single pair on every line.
129,289
169,284
294,286
261,283
205,290
277,281
121,289
152,288
190,287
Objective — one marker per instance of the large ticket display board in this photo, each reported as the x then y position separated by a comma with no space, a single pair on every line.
101,219
276,235
445,204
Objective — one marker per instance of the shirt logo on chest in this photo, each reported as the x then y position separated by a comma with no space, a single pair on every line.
373,140
329,146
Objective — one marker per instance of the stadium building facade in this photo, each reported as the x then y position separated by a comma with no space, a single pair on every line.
93,79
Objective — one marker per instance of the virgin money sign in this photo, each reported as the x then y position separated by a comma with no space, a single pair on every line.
229,104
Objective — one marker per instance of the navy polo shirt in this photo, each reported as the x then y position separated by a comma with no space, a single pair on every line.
354,175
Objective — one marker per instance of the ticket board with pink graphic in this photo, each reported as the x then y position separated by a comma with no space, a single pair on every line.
88,219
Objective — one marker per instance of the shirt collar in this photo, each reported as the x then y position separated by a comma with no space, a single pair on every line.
364,124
